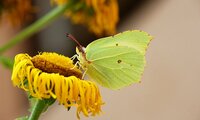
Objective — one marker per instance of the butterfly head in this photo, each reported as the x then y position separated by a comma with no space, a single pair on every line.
82,57
81,53
80,50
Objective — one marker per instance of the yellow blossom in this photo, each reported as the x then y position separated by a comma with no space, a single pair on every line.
100,16
17,12
49,75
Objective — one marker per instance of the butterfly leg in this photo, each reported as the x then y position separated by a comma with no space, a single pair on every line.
74,57
79,67
77,64
84,73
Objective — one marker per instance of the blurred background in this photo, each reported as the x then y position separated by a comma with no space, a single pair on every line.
170,84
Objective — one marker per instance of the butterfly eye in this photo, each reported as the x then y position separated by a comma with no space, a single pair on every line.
117,44
119,61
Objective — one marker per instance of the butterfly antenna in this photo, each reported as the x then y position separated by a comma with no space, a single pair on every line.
80,47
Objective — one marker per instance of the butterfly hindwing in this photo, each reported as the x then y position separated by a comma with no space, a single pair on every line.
117,69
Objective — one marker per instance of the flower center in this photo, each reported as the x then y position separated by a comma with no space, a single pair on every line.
54,63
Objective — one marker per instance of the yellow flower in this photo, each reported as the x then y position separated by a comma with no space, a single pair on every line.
100,16
51,75
17,11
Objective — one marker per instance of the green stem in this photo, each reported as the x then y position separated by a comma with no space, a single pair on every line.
35,27
38,108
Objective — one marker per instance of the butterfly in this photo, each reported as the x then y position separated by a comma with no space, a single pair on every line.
116,61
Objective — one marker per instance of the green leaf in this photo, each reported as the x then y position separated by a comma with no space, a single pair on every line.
6,62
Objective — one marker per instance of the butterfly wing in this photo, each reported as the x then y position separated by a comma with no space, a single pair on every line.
136,39
117,61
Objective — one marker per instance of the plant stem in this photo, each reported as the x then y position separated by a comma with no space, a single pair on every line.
38,108
35,27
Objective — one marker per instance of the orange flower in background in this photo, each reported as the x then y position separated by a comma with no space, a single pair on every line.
100,16
17,12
